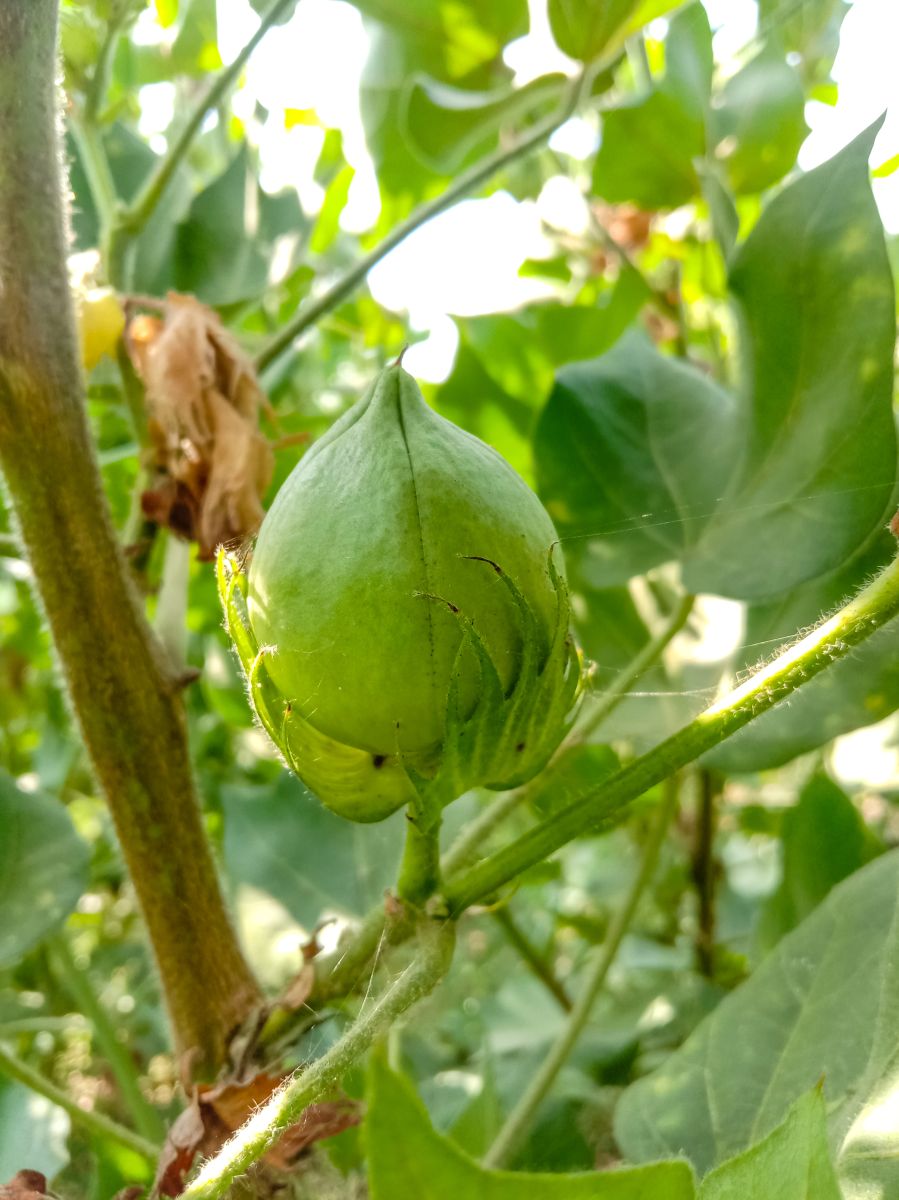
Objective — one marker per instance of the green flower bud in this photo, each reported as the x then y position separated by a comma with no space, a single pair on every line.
403,626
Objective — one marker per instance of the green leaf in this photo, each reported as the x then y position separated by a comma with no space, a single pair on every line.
447,126
758,123
33,1132
407,1160
195,49
224,246
857,691
586,29
327,224
824,840
43,868
283,841
792,1163
823,1004
649,146
816,294
633,450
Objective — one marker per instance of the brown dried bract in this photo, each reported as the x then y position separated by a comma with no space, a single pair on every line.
211,463
215,1112
24,1185
628,226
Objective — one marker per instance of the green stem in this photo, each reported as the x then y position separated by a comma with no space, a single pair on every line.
469,845
516,1125
99,84
123,688
95,165
92,1122
531,956
835,637
709,786
608,701
419,875
479,173
433,956
77,982
132,219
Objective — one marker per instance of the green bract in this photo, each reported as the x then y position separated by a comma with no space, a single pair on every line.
403,626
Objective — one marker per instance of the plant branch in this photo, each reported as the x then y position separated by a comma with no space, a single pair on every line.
92,1122
147,1120
705,869
872,608
469,845
123,689
479,173
531,956
419,874
99,82
250,1142
516,1125
131,220
608,701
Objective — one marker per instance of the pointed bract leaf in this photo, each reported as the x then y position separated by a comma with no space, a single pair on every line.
792,1163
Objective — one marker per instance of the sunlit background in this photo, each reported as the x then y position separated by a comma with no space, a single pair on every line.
466,261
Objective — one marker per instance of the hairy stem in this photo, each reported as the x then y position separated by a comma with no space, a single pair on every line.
122,685
516,1125
77,983
93,1122
872,608
250,1142
465,183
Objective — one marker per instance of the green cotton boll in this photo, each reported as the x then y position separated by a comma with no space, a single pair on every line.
401,600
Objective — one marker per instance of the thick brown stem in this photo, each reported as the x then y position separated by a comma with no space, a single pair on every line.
121,685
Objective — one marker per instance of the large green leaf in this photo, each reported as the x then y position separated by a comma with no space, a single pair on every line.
792,1163
284,842
649,146
824,1004
454,41
224,246
857,691
816,295
33,1132
633,450
657,148
824,839
407,1160
43,868
758,123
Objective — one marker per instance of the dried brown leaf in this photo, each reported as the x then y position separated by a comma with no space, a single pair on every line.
212,465
216,1111
24,1185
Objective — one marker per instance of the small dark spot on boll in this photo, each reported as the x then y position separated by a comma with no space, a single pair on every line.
520,747
378,760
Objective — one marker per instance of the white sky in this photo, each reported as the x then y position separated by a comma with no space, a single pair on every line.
466,261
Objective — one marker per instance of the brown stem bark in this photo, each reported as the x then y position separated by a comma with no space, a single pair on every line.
123,689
